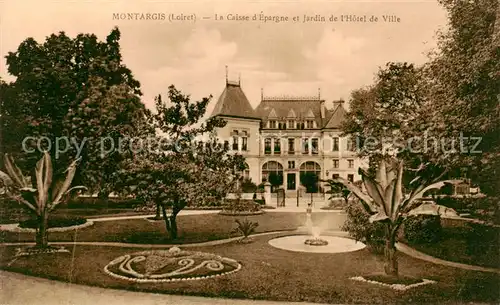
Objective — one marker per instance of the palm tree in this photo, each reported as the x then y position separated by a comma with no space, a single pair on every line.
41,198
388,202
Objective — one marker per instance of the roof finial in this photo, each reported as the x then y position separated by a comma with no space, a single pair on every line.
261,94
319,93
227,75
239,79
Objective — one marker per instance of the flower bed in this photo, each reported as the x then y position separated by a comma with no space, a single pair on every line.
170,265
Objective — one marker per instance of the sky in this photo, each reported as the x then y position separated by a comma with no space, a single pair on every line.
286,58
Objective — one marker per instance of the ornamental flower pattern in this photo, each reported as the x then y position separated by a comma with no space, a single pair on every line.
170,265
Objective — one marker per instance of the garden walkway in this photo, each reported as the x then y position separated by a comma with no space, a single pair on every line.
18,289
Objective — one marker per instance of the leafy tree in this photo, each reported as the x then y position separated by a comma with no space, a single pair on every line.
181,171
464,88
70,87
389,202
49,190
383,115
310,182
276,179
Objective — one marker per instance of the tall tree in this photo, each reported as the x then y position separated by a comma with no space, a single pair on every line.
180,171
383,115
464,79
62,80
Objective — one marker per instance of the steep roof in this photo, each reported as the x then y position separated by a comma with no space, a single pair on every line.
233,103
282,107
336,118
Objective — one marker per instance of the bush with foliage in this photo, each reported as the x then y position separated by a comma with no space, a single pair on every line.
242,206
245,228
247,186
56,222
423,229
480,238
359,227
483,208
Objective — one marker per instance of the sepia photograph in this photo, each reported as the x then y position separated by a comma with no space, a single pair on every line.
249,152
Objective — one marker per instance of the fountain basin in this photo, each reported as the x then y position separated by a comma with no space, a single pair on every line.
335,244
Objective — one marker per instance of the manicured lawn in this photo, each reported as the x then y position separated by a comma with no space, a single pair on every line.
192,228
464,246
273,274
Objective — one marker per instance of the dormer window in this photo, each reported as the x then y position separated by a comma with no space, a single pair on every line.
309,124
272,124
291,124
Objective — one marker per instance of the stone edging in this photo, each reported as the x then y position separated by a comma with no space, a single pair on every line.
17,229
229,213
400,287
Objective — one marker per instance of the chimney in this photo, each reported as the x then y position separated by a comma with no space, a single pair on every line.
322,105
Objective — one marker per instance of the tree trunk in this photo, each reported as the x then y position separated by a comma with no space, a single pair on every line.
42,240
170,222
391,260
173,226
158,211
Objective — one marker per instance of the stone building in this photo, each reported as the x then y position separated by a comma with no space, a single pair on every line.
286,135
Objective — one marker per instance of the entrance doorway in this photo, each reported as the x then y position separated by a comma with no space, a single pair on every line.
290,181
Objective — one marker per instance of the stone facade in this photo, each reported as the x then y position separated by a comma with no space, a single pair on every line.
286,135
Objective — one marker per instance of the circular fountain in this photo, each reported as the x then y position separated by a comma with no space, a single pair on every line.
313,242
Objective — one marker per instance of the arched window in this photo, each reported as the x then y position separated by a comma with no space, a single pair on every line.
271,168
310,173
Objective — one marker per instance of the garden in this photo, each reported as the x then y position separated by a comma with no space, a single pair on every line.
171,218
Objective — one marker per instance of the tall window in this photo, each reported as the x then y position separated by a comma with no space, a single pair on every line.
291,124
305,146
335,176
291,164
244,141
235,142
291,146
277,146
314,146
351,163
267,146
350,177
350,145
309,124
335,146
272,124
335,163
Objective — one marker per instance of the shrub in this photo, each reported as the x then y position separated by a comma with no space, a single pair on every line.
260,201
242,206
247,186
359,227
54,222
245,227
480,238
422,229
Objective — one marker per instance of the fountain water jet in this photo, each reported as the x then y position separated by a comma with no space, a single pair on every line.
313,231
